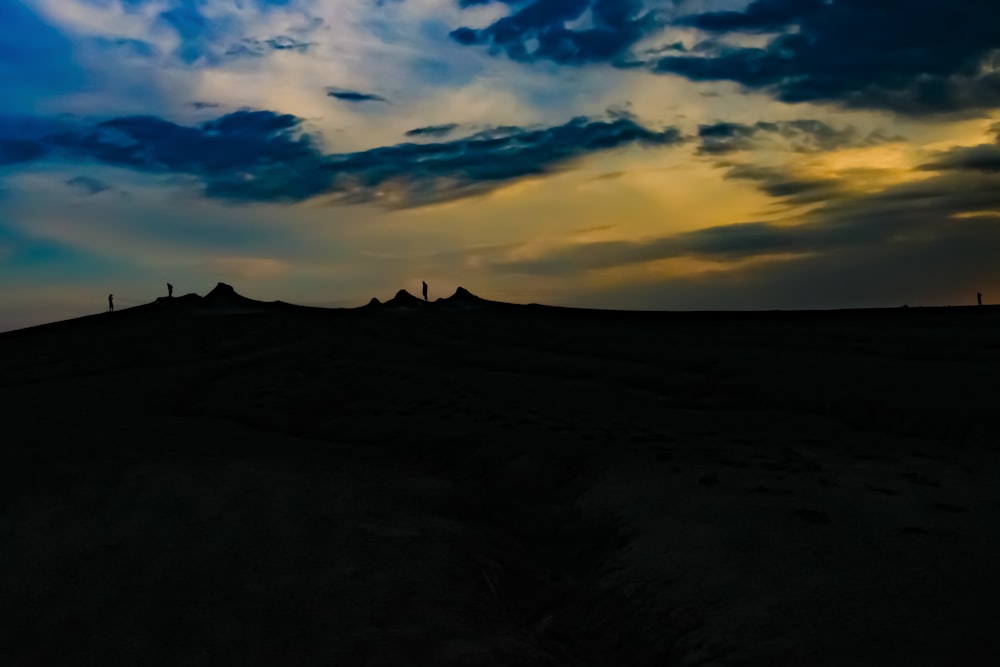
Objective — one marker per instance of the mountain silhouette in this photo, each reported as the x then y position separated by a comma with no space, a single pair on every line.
223,297
404,299
462,298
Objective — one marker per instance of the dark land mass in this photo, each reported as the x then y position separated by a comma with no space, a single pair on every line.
217,480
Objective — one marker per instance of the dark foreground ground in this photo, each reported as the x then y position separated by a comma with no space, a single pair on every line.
518,487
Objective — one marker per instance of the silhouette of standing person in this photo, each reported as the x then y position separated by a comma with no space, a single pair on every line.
170,290
425,290
111,303
979,298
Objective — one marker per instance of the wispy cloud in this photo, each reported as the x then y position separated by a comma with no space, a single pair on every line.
88,185
887,242
353,95
433,130
981,158
804,136
249,46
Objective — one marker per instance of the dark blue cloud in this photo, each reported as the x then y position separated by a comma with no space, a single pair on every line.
803,136
498,132
538,30
353,95
16,151
433,130
237,141
22,137
88,185
759,16
265,156
425,173
917,57
249,155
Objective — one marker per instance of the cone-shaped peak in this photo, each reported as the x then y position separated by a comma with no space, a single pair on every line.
404,298
462,298
222,289
224,297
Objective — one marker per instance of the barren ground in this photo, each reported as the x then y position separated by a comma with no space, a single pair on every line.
525,487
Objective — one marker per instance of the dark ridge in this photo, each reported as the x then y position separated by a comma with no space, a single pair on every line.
221,289
224,299
404,299
462,298
179,301
224,296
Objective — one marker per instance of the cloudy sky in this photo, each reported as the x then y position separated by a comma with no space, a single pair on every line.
660,154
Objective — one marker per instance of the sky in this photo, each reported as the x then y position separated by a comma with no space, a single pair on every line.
637,154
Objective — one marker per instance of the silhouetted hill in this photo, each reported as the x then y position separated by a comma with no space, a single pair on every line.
224,297
462,298
224,300
404,299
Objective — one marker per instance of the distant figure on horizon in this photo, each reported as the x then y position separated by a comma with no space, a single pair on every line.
170,290
979,298
425,290
111,303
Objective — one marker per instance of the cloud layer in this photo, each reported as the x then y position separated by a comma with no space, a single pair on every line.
915,58
803,136
544,29
265,156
